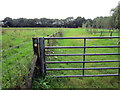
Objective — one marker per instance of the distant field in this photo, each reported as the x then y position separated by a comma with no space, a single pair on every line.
17,66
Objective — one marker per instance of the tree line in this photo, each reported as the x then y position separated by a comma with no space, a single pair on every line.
108,22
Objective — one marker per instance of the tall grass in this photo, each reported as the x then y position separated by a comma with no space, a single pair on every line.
16,62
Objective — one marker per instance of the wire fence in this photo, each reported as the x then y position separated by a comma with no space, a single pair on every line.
15,54
102,32
14,46
53,42
17,79
16,64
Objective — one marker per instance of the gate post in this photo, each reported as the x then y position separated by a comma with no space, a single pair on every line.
84,56
35,46
110,33
42,56
36,52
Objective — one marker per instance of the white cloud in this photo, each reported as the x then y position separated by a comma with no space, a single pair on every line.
56,8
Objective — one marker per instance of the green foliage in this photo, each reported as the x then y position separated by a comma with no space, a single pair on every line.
16,62
102,22
115,19
41,83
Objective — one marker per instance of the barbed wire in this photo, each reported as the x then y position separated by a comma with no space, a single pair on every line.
15,64
16,74
26,42
15,54
19,62
14,46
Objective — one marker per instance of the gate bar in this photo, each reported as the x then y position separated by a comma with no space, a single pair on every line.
82,37
55,62
61,47
51,69
85,75
82,54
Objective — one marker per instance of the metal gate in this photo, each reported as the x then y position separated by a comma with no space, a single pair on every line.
40,48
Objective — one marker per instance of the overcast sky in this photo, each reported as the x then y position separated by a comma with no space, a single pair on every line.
56,8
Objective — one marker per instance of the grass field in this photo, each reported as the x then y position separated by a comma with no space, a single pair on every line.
17,53
17,66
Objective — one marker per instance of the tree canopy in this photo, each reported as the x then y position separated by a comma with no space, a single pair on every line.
108,22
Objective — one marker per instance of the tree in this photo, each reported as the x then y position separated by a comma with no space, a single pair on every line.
8,22
79,21
115,19
88,23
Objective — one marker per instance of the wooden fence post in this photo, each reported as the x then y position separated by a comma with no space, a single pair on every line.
95,31
110,33
34,66
101,33
48,41
36,52
42,56
54,41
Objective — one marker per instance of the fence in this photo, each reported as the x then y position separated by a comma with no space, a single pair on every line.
19,65
36,45
40,49
101,32
13,66
16,63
